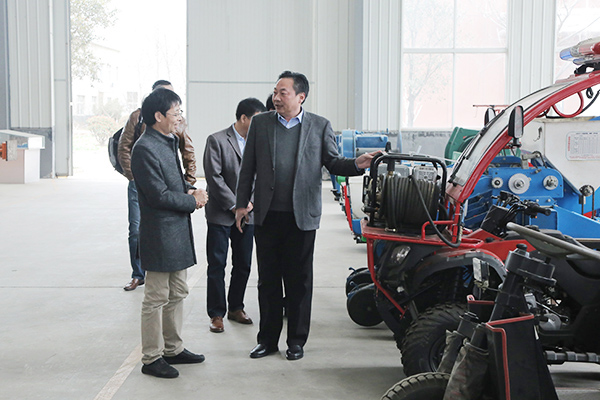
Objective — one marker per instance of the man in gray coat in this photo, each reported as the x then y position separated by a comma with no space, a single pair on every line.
222,159
285,152
166,241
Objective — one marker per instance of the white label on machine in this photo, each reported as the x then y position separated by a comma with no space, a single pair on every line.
477,270
583,146
425,172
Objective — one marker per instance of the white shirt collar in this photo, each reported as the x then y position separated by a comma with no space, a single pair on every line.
241,141
292,122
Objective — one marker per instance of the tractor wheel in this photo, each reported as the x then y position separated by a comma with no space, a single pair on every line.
428,385
361,305
358,276
425,340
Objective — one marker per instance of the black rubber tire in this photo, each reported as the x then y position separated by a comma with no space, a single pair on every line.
425,386
362,307
424,342
357,277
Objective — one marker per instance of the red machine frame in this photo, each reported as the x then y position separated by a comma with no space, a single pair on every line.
456,194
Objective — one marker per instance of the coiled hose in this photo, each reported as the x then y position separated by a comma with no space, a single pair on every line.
401,205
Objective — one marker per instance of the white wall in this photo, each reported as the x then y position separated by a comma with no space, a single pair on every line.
381,91
30,63
336,58
39,77
4,84
236,49
531,47
61,102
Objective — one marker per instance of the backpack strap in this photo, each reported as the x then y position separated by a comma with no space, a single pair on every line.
137,132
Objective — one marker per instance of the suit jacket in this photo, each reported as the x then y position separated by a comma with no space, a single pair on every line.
166,239
222,160
316,147
127,141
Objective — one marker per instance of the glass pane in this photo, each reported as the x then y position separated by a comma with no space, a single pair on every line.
427,91
481,23
480,81
427,24
576,21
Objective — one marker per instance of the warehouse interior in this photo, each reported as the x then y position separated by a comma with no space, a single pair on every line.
70,331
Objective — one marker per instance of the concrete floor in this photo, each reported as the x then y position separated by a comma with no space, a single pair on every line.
69,331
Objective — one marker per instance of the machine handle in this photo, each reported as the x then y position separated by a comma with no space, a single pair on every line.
528,232
535,207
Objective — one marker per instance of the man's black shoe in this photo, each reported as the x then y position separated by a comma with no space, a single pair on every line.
262,350
185,357
160,369
294,352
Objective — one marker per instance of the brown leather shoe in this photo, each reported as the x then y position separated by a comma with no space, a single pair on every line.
134,283
239,316
216,325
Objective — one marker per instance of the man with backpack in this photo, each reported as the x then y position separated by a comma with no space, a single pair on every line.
132,131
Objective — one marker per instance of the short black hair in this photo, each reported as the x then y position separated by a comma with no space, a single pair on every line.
160,100
161,82
269,104
300,82
249,107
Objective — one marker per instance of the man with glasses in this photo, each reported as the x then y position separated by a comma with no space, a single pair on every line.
281,168
166,242
132,131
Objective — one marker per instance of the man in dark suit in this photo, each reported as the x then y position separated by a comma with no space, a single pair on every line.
222,159
285,152
131,132
166,241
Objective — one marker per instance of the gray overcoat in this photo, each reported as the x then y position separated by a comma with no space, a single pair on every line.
166,239
222,160
316,147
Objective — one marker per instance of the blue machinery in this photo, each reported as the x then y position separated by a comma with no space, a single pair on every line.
529,175
353,143
532,177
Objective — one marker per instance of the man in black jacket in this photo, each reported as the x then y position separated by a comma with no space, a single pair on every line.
166,239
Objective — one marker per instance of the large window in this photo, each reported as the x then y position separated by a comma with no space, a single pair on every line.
453,60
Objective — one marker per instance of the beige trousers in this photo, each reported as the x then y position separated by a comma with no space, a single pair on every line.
162,314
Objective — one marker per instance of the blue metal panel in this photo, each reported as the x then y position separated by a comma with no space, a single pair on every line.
352,143
566,214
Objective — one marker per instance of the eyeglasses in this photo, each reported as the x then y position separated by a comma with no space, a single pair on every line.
176,114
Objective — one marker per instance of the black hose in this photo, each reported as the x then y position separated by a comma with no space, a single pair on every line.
438,233
401,199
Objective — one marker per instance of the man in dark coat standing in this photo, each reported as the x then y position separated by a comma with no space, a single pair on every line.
285,152
166,239
131,132
222,158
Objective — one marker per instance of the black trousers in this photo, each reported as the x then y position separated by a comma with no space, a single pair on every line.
218,239
284,253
